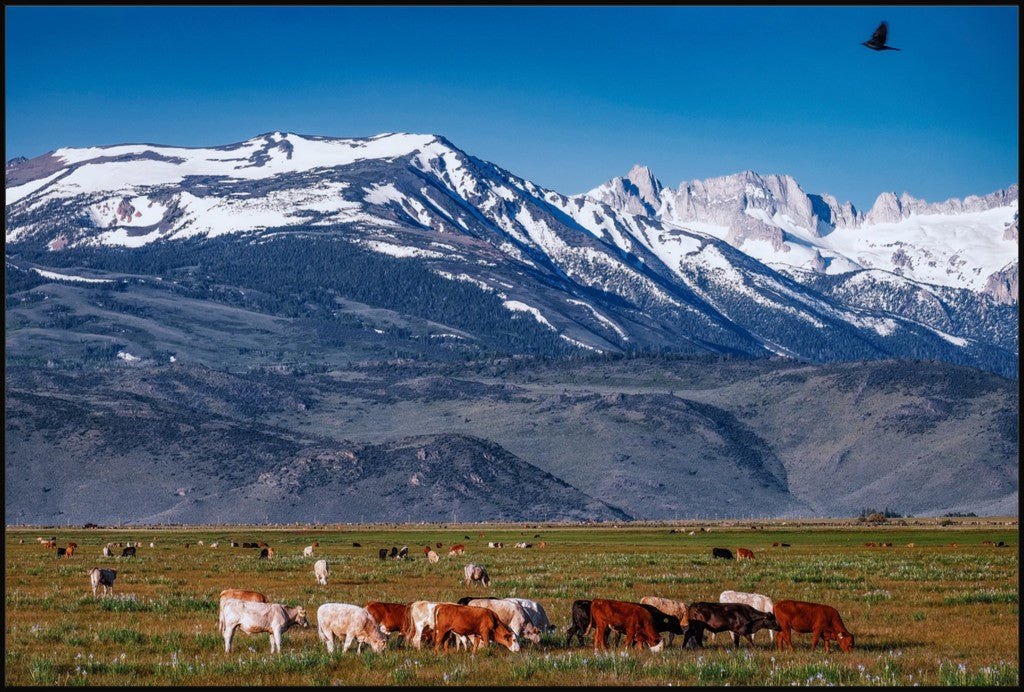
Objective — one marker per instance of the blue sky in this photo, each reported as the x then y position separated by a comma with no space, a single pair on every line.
567,97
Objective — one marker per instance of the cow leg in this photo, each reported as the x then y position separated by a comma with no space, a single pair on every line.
329,641
814,640
229,633
600,633
348,642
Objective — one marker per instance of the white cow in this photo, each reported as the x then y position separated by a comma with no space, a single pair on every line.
236,594
754,600
535,611
107,552
307,551
253,617
512,614
432,556
351,622
102,577
321,570
476,573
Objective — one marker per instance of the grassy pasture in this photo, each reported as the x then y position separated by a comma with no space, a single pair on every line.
930,615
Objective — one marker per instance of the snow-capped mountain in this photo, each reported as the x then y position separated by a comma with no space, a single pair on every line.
745,265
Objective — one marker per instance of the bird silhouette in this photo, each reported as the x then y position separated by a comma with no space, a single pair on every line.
877,41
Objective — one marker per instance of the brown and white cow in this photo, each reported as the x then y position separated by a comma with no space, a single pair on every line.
479,624
254,617
419,618
631,618
457,549
352,622
390,617
100,577
237,595
822,621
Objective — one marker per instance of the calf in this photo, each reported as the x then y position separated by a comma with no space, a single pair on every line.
739,618
755,600
99,577
471,621
351,622
631,618
320,571
391,617
822,621
476,574
237,595
253,617
723,553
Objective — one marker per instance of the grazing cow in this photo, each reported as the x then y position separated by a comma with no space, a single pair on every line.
403,553
320,571
580,621
822,621
391,617
535,611
723,553
419,618
476,574
755,600
128,552
62,552
471,621
740,618
266,554
631,618
307,551
394,552
356,544
668,606
512,614
457,549
102,578
383,553
432,556
107,552
744,554
237,595
253,617
351,622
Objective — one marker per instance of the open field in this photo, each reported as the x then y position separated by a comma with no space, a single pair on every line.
932,614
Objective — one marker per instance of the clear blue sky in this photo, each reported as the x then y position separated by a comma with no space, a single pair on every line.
567,97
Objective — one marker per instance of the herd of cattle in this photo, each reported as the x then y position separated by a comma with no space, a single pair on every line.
474,622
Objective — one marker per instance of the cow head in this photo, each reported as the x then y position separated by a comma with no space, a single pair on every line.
300,617
659,646
531,632
506,637
845,641
377,640
771,623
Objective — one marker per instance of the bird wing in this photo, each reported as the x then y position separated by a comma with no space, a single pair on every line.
880,34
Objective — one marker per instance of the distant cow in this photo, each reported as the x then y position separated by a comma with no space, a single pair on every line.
107,552
723,553
403,553
457,549
252,618
476,574
390,617
755,600
352,622
382,553
128,552
479,624
99,577
744,554
740,618
631,618
237,595
432,556
822,621
266,554
320,571
394,552
307,551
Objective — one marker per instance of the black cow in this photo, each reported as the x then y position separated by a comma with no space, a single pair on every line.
466,599
394,551
128,552
738,618
723,553
663,622
383,554
580,621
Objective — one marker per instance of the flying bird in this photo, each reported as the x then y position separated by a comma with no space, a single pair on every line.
877,41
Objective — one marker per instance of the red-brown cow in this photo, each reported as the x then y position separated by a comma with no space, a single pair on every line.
479,624
390,616
744,554
631,618
821,620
